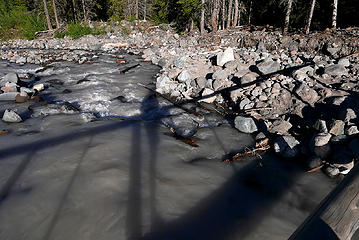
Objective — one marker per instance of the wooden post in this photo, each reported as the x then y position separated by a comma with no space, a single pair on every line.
337,216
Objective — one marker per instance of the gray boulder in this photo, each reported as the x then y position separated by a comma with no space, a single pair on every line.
185,76
337,127
245,124
224,57
10,77
287,146
268,66
336,70
280,127
321,139
11,117
9,96
220,75
307,94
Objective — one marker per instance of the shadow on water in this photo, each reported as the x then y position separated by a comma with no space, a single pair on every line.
234,209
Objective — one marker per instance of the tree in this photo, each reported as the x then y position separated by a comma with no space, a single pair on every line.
334,17
202,16
55,13
229,14
215,15
310,16
235,17
287,15
47,15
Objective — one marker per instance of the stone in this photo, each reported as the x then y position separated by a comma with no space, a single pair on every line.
245,124
323,152
321,126
231,66
184,77
164,84
331,171
11,116
244,102
9,96
261,47
347,115
267,67
314,162
182,124
248,78
220,75
337,127
206,96
10,77
179,62
224,57
321,139
344,62
201,82
343,160
336,70
280,127
236,94
39,87
217,84
21,99
286,146
351,130
307,94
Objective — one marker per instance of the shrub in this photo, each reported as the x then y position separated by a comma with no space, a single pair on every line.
76,30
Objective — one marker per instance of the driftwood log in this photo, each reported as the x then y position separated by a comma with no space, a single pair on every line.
337,217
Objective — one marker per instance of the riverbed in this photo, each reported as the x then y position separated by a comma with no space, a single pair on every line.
99,161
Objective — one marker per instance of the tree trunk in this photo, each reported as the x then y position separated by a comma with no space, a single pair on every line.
335,10
55,12
310,16
85,13
235,18
202,17
136,9
73,10
144,9
47,15
287,16
229,13
223,13
215,15
250,12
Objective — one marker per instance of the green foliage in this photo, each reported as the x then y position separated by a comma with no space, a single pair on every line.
160,11
76,30
17,22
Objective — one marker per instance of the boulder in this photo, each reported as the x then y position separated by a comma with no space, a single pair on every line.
337,127
220,75
336,70
184,77
268,66
224,57
10,77
206,96
321,139
280,127
9,96
321,126
11,117
307,94
245,124
287,146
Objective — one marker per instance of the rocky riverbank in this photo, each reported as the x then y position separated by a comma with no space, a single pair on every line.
299,91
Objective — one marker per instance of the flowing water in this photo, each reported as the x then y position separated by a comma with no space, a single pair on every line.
114,170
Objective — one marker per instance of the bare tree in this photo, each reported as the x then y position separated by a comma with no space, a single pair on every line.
335,10
136,9
287,15
47,15
85,12
55,12
202,16
223,13
235,17
229,13
310,16
250,12
215,15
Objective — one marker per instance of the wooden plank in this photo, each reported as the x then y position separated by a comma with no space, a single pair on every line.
337,217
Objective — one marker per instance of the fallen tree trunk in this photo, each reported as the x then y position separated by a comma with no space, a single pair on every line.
337,216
